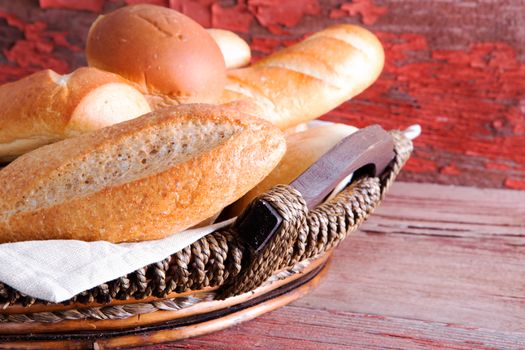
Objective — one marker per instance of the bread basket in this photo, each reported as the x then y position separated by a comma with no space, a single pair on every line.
232,275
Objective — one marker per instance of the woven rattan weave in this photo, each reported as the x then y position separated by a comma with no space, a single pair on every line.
220,259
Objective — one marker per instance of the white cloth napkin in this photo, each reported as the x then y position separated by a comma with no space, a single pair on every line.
57,270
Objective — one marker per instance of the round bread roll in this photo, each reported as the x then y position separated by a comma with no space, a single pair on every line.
167,54
302,150
235,50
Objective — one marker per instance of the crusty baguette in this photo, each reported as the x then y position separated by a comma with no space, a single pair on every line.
170,57
302,150
234,49
138,180
46,107
308,79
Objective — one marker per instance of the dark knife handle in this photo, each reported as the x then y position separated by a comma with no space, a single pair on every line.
372,147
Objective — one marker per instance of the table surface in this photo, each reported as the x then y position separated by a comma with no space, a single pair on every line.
435,266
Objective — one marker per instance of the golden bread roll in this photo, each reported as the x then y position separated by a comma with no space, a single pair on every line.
302,150
170,56
138,180
234,49
46,107
310,78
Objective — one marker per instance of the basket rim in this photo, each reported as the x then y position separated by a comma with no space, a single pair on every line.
219,257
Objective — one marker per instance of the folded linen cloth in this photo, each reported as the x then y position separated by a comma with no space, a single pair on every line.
57,270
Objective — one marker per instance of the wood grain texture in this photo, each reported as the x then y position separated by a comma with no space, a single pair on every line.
455,67
434,267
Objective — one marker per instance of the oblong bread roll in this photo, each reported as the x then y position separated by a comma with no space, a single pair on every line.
138,180
46,107
302,150
234,49
308,79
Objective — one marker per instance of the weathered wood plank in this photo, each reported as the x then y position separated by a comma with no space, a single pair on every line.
296,327
462,262
476,283
436,266
452,211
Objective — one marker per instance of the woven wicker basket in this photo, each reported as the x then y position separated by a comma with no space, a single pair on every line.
219,269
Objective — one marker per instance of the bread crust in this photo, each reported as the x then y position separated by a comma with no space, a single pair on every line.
166,53
308,79
303,149
42,108
149,207
234,49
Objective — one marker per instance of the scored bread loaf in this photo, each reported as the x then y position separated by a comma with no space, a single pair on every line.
138,180
310,78
234,49
170,57
46,107
302,150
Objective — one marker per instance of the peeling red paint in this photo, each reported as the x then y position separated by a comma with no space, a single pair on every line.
35,51
450,170
462,99
368,11
420,165
273,14
496,166
90,5
236,18
515,184
197,10
265,45
152,2
337,13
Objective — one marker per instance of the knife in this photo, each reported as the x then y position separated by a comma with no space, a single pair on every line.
367,151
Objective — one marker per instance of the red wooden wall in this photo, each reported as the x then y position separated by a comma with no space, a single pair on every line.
455,67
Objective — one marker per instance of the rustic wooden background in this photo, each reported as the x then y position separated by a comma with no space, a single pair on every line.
436,266
455,67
